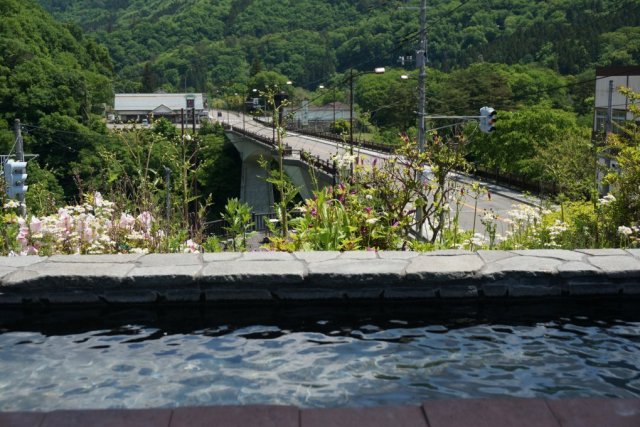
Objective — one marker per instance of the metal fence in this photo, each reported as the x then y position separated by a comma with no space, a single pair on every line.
358,142
517,181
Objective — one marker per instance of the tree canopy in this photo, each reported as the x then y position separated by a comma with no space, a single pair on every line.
197,44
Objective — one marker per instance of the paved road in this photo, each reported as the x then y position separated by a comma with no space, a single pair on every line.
499,199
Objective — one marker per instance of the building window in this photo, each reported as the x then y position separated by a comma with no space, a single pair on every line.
618,117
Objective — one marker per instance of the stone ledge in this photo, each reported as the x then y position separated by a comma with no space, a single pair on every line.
273,276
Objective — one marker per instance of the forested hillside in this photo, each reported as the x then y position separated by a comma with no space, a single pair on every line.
47,67
51,76
204,44
57,81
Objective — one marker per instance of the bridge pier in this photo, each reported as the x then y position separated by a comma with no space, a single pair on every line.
254,189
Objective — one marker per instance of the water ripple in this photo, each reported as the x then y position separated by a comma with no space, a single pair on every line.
332,365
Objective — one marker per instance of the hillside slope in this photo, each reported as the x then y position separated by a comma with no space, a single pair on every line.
203,44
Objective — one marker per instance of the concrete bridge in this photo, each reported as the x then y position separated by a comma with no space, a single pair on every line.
305,170
311,156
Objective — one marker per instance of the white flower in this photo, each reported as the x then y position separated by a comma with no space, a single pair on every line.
97,199
489,216
624,230
557,228
609,198
139,251
11,204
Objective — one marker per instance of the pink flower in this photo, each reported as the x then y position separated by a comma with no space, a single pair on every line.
64,219
145,219
35,225
126,221
22,238
97,199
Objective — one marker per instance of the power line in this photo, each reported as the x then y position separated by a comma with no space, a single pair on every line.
555,88
28,128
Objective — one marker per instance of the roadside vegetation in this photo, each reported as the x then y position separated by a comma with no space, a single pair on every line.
92,189
371,207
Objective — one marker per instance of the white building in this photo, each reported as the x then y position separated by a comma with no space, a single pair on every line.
608,98
608,80
134,107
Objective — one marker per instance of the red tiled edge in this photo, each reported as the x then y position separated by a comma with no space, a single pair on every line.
596,412
21,419
506,412
392,416
489,413
236,416
108,418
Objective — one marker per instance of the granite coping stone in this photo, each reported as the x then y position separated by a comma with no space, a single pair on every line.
561,254
320,275
603,252
359,255
6,270
350,271
221,256
523,265
20,261
162,260
578,268
617,265
318,256
439,267
90,259
55,275
165,276
254,272
492,256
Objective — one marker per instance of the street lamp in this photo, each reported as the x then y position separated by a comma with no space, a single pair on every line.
379,70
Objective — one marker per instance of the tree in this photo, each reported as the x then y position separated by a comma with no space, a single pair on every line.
524,139
625,150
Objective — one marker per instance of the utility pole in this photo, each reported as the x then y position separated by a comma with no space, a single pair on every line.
610,109
167,184
182,122
20,154
351,111
608,129
421,58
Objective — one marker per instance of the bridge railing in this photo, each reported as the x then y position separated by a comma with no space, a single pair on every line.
327,166
371,145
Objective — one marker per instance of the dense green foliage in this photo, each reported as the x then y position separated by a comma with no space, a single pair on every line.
531,60
46,67
201,44
57,82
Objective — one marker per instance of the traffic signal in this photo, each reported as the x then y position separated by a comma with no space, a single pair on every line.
15,176
487,119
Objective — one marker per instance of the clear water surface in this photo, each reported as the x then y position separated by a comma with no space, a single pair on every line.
322,357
